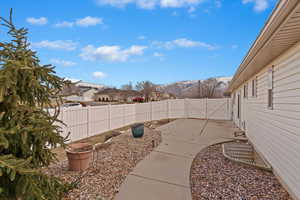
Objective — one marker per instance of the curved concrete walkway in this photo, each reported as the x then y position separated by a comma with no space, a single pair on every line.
165,173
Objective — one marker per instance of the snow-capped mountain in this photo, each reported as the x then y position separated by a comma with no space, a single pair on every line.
190,88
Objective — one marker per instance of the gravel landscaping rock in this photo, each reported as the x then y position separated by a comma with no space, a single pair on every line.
103,180
215,177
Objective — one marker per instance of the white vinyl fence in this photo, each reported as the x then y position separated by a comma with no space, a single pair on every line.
88,121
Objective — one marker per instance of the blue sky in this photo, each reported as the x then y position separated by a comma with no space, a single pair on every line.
117,41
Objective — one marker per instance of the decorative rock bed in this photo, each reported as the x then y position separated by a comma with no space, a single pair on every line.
115,162
215,177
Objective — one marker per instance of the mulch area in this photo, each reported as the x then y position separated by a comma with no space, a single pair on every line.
215,177
103,180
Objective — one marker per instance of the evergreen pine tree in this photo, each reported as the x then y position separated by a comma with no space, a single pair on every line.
27,130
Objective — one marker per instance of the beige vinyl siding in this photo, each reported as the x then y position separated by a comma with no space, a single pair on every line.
276,132
234,108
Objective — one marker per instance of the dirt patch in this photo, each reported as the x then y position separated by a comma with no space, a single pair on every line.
113,164
102,137
215,177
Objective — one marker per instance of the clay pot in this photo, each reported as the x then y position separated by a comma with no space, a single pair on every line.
79,156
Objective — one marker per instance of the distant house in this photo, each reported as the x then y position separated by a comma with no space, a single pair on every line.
82,84
88,94
80,91
265,93
116,95
158,96
166,95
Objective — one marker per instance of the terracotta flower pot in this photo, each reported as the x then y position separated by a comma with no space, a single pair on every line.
79,156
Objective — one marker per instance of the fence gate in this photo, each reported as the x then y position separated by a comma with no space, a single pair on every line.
218,109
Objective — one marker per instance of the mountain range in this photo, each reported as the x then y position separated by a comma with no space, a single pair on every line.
189,88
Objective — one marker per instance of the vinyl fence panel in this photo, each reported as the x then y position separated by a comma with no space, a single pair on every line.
143,112
99,119
76,120
196,108
89,121
159,110
177,108
117,119
129,114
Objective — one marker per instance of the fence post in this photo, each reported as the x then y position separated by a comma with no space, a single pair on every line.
65,128
150,110
227,109
206,114
109,116
185,108
88,121
135,113
124,114
168,117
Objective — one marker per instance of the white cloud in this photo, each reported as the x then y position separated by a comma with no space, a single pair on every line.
142,37
156,54
64,24
146,4
234,46
218,3
37,21
259,5
159,55
65,63
110,53
115,3
68,45
171,3
99,75
151,4
174,13
89,21
191,9
83,22
183,42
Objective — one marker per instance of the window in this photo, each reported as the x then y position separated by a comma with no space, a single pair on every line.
246,91
254,87
233,98
239,106
270,88
270,99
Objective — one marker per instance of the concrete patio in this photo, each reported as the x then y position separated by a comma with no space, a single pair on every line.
165,173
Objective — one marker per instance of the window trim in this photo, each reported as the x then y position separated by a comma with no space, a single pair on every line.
270,85
254,87
246,91
270,99
233,98
239,105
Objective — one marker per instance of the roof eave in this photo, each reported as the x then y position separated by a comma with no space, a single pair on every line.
276,19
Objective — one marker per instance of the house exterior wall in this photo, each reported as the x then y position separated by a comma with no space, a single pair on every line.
73,98
275,132
102,97
89,95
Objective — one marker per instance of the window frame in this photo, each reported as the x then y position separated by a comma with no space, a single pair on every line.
233,98
254,87
270,84
238,105
246,91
